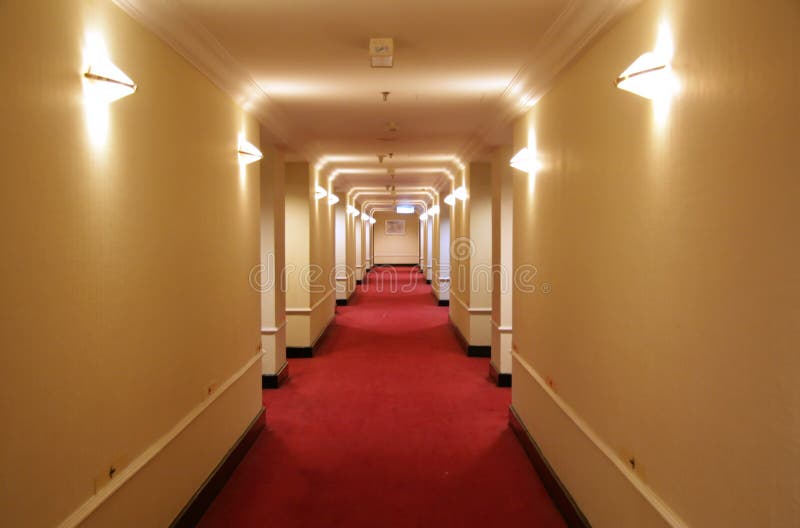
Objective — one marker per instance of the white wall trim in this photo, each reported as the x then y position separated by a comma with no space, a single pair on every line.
501,329
272,330
669,516
476,310
304,311
136,465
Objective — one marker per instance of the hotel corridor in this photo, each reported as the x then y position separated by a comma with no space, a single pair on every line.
390,424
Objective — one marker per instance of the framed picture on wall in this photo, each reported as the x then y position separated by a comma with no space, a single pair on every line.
395,227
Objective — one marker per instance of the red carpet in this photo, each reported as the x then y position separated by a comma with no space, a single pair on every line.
389,425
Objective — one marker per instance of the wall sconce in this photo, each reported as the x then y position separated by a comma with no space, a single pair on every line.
248,153
524,161
433,210
372,220
450,199
651,76
354,212
423,216
333,199
365,217
320,192
460,193
108,83
648,77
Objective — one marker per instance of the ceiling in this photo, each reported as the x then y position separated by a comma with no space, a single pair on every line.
463,70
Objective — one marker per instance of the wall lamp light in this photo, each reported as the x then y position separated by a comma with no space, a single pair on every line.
648,77
320,192
372,220
460,193
433,210
107,82
248,153
423,216
333,199
524,161
450,199
651,76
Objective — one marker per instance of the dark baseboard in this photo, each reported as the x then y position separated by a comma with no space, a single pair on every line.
427,281
479,351
572,515
307,352
191,514
341,302
299,352
471,350
273,381
444,302
499,378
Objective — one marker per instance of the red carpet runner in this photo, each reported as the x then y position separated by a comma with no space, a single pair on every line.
389,425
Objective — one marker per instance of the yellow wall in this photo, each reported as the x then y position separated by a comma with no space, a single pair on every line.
273,296
396,249
471,256
310,295
124,275
671,331
502,266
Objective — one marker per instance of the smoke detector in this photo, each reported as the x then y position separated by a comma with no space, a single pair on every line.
381,52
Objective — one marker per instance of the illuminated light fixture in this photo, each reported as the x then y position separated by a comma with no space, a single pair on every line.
381,53
524,161
320,192
248,153
404,209
450,199
372,220
106,82
333,199
433,210
365,217
460,193
354,212
423,216
649,77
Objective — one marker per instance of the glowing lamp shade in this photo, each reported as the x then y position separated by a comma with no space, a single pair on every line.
333,199
423,216
524,161
320,192
354,212
248,153
405,209
460,193
433,210
372,220
107,83
365,217
649,76
450,199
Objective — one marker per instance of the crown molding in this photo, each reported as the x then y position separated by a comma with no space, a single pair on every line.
190,39
573,30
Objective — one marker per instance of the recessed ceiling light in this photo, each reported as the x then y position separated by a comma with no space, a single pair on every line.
381,52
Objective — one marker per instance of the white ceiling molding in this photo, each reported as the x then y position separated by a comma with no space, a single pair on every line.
571,32
169,21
